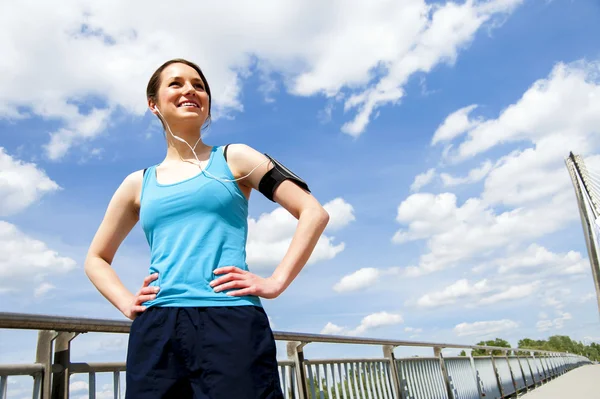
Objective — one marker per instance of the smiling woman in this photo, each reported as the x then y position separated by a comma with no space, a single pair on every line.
199,327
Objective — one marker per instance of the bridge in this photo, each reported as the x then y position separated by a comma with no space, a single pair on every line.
516,372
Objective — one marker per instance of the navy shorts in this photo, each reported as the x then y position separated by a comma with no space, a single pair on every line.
202,353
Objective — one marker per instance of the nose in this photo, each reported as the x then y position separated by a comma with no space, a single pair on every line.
189,89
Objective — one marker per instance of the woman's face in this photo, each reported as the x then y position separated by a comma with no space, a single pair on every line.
182,95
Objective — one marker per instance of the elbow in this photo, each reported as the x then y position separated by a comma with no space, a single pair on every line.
87,266
90,265
324,217
321,218
317,215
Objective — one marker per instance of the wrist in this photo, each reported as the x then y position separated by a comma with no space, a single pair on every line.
124,305
281,281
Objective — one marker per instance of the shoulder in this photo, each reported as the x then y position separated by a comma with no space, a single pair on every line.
239,151
247,163
131,186
134,179
242,156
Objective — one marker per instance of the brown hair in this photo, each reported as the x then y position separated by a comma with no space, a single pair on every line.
154,82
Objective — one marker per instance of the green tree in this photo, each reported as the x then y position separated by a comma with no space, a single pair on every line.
502,343
563,343
348,385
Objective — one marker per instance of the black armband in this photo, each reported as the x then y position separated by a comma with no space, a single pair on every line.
277,175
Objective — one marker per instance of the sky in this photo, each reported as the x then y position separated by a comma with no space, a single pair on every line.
434,133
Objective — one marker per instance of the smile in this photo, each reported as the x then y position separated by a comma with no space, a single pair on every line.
188,104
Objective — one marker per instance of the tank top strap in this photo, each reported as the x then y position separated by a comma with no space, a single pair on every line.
148,176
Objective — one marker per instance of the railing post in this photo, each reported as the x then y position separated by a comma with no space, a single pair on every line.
43,356
388,352
62,358
543,369
522,372
552,361
531,369
476,374
437,351
3,386
512,376
498,380
295,352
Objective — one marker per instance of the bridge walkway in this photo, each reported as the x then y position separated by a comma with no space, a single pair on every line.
581,383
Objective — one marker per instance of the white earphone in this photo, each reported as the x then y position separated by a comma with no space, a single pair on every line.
203,171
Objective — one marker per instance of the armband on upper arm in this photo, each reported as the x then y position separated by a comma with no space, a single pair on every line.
277,175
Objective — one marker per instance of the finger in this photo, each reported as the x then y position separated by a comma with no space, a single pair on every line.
144,298
226,278
228,269
244,291
148,290
138,309
231,285
150,278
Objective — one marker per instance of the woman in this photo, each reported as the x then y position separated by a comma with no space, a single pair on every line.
199,330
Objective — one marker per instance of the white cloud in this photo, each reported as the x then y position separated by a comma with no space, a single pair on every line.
588,297
511,293
484,328
455,232
377,320
460,290
483,292
551,301
368,323
43,289
531,176
98,52
21,184
341,214
427,214
474,176
78,128
451,27
456,124
269,237
557,114
361,278
422,180
333,329
553,324
25,260
566,104
97,344
77,386
538,259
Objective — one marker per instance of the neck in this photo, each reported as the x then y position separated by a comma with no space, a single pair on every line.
177,150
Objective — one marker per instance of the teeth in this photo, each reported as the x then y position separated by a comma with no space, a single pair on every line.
188,104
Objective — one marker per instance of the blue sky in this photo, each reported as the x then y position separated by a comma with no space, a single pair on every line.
359,100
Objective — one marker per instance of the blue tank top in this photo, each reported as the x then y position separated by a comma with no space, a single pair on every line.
193,227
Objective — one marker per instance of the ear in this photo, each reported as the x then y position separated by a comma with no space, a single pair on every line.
152,106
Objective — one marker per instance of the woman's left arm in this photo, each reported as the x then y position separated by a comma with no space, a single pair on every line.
312,220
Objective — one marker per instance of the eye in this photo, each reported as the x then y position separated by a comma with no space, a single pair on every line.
174,84
198,86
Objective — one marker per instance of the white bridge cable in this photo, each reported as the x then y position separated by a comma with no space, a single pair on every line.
590,183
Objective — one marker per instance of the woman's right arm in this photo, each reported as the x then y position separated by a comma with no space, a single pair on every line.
120,217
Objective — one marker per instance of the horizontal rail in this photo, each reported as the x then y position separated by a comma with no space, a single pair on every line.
388,377
342,361
78,368
78,324
20,369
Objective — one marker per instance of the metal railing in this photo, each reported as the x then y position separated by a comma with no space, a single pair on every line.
388,377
